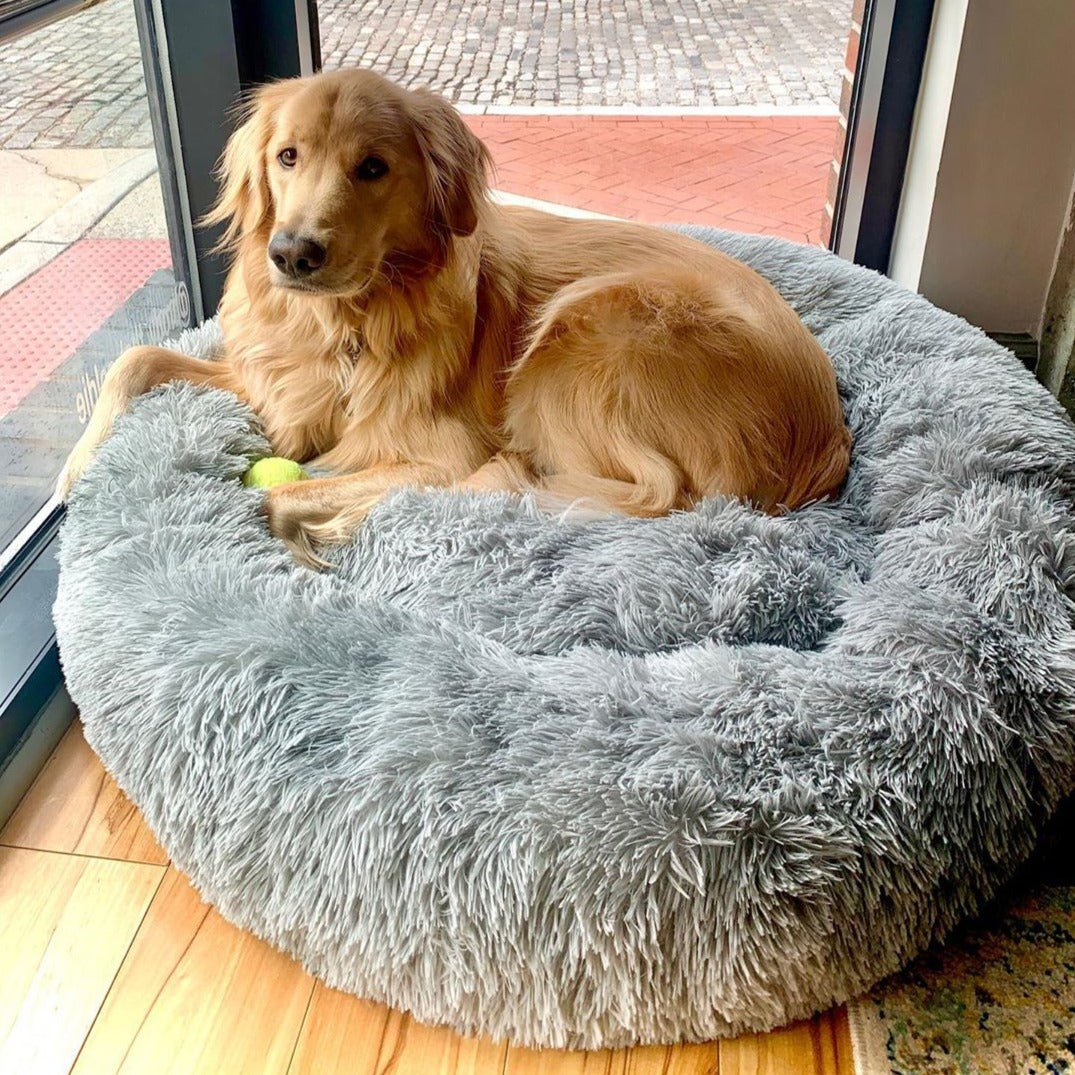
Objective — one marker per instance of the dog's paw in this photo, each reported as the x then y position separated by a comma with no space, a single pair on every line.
73,469
294,521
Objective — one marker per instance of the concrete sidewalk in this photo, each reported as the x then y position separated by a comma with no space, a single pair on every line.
585,53
73,106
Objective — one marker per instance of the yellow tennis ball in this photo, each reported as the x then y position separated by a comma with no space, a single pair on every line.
273,470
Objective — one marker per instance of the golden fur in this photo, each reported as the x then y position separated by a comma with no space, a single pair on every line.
448,341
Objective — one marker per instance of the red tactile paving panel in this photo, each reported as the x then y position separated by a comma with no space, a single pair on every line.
762,174
43,319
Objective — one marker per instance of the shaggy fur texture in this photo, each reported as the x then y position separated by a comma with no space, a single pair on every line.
590,783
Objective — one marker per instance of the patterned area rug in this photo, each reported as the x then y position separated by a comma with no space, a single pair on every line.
998,999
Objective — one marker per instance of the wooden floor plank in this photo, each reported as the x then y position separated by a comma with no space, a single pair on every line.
522,1061
673,1060
840,1032
197,996
75,806
340,1034
346,1036
818,1046
343,1035
643,1060
412,1047
66,923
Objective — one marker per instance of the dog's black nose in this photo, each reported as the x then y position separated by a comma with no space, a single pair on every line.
295,255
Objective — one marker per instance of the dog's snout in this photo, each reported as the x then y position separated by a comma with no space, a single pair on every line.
296,255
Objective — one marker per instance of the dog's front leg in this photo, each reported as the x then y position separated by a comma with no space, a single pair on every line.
330,510
136,371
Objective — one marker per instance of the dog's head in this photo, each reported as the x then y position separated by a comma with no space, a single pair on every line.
345,180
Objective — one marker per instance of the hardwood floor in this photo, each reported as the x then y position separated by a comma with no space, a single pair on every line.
111,963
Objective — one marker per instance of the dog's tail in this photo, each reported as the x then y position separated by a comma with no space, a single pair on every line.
657,491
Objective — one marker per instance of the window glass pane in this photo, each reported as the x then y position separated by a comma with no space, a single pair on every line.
667,111
85,268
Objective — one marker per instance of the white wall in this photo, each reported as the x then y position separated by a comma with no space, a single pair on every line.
992,160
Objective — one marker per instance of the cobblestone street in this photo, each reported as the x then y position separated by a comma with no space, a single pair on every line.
671,53
78,83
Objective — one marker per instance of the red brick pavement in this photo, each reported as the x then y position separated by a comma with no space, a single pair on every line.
751,173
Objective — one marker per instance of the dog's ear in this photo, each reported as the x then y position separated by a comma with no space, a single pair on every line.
456,164
245,199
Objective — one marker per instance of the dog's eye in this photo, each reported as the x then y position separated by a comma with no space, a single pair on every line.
371,168
287,157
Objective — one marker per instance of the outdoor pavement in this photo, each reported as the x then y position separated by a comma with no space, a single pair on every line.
762,174
78,82
35,183
72,100
671,53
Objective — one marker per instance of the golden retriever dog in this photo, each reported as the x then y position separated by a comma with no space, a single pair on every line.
387,321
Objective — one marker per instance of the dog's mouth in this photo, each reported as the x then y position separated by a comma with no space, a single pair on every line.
330,287
298,285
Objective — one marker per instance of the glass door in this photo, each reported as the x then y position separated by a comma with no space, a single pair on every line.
729,114
86,270
112,116
85,262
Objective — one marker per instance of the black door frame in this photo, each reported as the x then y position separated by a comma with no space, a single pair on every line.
888,75
206,55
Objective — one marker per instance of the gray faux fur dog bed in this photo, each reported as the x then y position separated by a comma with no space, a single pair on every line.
593,783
